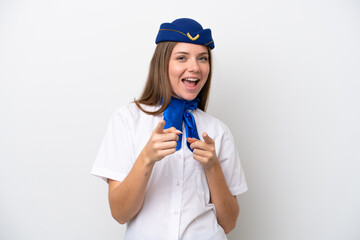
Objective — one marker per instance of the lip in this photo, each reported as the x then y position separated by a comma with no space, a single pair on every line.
191,77
188,86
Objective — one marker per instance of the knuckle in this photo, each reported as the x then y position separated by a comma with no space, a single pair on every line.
156,146
154,137
173,136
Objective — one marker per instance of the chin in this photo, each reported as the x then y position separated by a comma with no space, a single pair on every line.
186,97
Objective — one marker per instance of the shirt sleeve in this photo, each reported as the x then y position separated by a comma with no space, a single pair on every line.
231,165
116,155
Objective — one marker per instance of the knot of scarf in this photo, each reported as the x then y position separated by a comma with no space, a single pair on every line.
176,113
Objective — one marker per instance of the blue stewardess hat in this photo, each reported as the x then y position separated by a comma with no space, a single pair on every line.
185,30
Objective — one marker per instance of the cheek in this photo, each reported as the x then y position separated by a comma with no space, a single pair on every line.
173,80
206,71
175,71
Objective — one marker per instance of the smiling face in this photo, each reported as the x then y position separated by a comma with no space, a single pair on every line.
189,69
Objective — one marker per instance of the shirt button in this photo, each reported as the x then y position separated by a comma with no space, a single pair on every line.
176,212
178,156
178,183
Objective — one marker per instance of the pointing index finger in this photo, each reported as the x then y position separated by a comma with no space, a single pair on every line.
160,127
207,139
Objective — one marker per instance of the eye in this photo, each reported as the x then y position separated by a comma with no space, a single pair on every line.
203,58
181,58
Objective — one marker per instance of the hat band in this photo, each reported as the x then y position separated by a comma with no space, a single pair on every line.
187,35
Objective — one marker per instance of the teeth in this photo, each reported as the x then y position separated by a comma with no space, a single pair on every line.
191,79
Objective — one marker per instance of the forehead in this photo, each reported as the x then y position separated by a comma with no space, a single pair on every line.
189,48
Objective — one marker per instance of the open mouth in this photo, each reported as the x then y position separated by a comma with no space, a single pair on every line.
190,83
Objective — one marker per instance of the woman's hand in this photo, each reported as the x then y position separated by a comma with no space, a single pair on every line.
204,151
227,207
127,197
161,143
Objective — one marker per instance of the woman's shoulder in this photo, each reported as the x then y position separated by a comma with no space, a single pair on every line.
206,116
210,120
125,110
131,111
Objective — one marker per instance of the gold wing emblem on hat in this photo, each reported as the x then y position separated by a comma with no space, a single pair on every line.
192,38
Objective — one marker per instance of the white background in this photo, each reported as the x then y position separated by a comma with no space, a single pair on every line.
286,81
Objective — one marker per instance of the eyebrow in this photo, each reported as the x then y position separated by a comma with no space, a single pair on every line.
186,53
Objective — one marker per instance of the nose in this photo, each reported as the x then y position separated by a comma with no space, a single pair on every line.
193,66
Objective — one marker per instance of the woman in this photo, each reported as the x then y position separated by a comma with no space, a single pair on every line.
165,181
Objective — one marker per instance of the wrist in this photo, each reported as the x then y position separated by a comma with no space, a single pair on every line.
146,160
213,166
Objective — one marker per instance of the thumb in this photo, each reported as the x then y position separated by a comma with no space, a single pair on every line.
207,139
160,127
191,140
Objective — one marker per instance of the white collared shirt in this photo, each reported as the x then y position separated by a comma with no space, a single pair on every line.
177,202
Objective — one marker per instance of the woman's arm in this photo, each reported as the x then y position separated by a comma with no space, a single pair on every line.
227,207
127,197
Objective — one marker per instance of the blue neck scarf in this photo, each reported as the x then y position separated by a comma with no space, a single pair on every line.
176,113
